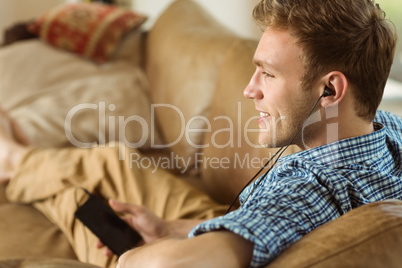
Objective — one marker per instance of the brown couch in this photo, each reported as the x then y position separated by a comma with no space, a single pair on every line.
197,66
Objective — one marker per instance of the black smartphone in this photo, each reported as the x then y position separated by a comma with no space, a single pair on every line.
103,222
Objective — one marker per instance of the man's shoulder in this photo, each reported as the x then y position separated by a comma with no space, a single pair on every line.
393,126
389,120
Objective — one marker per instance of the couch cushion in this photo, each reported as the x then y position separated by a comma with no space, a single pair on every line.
184,50
369,236
233,154
60,99
25,232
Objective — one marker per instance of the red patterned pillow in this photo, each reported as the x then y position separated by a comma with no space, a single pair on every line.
92,30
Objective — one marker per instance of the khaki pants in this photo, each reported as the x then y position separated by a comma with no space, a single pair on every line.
49,179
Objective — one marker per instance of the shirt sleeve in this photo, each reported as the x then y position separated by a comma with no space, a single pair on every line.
269,225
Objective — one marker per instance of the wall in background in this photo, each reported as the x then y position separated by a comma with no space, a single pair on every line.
234,14
393,10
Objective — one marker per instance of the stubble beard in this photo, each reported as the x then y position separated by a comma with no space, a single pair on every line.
281,129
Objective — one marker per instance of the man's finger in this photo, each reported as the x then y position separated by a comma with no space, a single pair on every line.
106,251
123,207
99,244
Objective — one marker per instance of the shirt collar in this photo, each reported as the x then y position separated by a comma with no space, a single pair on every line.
347,151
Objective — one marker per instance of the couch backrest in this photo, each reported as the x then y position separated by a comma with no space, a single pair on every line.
184,51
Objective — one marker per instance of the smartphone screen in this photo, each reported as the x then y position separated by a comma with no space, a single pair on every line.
103,222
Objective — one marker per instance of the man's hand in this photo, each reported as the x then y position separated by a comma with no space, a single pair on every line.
215,249
148,225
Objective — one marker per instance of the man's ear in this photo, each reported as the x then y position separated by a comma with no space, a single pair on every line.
337,83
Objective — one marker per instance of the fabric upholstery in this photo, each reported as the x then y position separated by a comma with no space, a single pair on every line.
3,198
132,49
25,232
43,262
186,83
369,236
93,97
92,30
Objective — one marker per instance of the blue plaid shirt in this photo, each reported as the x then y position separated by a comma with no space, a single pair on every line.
310,188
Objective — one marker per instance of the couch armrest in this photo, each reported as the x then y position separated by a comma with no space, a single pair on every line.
369,236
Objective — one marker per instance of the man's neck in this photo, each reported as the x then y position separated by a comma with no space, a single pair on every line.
336,129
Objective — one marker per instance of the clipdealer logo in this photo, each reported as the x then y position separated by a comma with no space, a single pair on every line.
197,161
195,125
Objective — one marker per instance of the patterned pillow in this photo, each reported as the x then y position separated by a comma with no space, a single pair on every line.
92,30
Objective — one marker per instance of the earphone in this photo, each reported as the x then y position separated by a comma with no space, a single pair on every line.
327,92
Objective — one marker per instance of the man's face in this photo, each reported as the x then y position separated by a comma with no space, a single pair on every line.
276,88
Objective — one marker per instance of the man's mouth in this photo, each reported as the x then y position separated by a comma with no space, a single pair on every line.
263,117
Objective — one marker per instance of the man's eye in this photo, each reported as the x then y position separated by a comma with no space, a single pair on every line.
267,74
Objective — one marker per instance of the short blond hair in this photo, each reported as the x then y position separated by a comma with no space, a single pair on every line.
350,36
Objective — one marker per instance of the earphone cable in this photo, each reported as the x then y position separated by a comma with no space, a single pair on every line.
248,183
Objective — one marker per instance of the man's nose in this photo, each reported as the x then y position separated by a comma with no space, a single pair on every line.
252,91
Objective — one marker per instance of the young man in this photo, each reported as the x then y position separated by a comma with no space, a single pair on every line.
332,58
338,54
